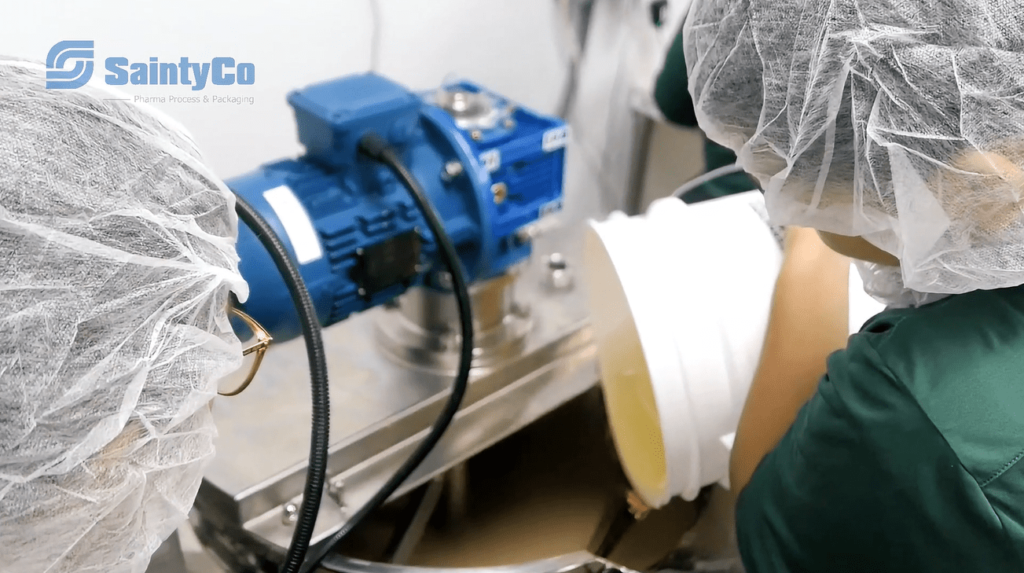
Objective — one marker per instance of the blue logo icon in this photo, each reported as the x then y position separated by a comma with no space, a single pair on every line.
80,52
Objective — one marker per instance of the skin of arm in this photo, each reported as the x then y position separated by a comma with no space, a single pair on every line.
808,321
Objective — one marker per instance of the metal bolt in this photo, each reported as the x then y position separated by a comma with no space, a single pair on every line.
556,262
362,292
500,192
523,236
530,232
444,280
510,123
476,134
291,514
452,169
359,252
336,489
559,278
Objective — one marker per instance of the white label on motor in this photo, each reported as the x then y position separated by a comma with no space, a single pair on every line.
296,223
491,160
555,138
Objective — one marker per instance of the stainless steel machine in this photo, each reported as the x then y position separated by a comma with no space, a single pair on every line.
392,334
390,371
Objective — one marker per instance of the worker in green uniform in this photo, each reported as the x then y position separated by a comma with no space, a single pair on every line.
889,132
673,99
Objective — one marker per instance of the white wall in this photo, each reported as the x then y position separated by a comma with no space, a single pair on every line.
508,45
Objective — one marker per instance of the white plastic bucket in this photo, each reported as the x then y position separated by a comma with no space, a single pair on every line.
679,301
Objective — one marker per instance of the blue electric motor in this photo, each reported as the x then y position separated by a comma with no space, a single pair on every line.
490,168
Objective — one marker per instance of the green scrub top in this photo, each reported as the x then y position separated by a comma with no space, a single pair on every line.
672,96
907,458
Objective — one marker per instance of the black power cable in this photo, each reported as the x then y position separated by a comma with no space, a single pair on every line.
316,470
374,147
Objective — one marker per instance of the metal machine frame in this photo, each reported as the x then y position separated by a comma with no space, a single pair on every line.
536,353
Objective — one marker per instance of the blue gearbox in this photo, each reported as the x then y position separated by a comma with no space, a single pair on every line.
491,168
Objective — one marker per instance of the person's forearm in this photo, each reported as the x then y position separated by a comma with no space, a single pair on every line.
809,320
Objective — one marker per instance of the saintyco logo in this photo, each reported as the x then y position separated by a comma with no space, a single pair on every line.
122,71
80,54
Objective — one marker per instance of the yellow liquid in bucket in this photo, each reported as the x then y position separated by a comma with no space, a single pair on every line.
632,411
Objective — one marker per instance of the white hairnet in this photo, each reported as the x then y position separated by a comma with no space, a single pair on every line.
901,121
118,258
